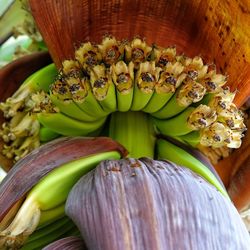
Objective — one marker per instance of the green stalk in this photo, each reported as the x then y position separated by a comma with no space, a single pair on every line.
177,125
134,130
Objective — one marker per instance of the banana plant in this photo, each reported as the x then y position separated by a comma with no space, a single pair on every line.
142,95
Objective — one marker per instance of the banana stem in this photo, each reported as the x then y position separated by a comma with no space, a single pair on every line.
135,131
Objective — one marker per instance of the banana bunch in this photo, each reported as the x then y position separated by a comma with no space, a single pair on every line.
184,97
141,96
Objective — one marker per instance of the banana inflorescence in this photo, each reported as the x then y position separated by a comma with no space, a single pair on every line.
184,96
132,92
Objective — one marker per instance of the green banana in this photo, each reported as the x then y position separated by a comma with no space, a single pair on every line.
175,126
51,215
40,80
193,138
77,88
156,102
170,79
65,125
46,134
189,92
103,88
191,119
62,179
123,78
171,152
71,109
91,106
145,80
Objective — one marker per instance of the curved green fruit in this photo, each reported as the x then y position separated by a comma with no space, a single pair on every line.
171,109
171,152
175,126
65,125
157,102
188,93
46,134
71,109
103,88
193,138
123,79
144,87
40,80
91,106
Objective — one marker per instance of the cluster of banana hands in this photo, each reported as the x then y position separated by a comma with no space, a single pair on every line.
183,96
141,96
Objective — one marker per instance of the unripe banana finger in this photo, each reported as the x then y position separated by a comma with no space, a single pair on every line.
65,125
145,81
175,126
46,134
171,152
124,101
91,106
103,88
157,102
188,93
49,216
140,99
69,108
109,102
